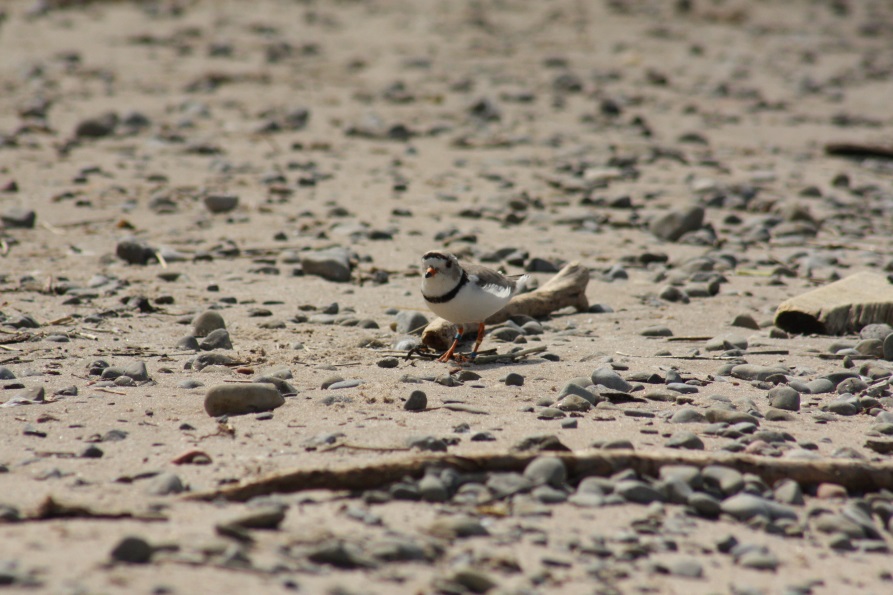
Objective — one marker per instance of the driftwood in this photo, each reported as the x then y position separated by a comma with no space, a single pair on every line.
566,288
842,307
859,150
857,476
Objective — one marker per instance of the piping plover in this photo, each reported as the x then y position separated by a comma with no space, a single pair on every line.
465,294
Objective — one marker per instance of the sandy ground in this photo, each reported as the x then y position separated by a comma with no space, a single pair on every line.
526,122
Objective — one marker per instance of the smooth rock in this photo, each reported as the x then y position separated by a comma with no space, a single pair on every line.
785,398
685,440
417,401
676,223
132,550
610,379
241,399
546,470
216,339
207,322
332,264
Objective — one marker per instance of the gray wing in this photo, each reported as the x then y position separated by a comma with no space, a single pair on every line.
490,280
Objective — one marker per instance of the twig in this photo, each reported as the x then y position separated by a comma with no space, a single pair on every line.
108,390
854,475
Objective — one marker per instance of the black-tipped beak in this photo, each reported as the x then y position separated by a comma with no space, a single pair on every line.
430,272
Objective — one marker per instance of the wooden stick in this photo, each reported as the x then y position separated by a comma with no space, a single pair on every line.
854,475
566,288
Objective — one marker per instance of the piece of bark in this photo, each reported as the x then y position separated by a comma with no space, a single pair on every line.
842,307
857,476
566,288
859,150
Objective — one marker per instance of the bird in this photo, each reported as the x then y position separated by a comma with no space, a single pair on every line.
465,294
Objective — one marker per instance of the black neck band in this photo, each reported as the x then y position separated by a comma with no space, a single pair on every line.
439,299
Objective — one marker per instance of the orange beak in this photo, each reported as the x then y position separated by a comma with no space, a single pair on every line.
430,272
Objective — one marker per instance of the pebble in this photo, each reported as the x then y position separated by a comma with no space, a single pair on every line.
888,348
755,372
133,251
332,264
784,398
432,489
657,330
725,479
574,388
609,378
546,470
216,339
132,550
513,379
550,413
164,484
759,560
241,399
688,415
15,217
674,224
410,322
97,126
687,567
633,490
221,203
207,322
574,403
188,343
417,401
685,440
705,505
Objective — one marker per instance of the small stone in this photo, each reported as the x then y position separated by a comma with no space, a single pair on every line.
746,321
550,413
755,372
687,567
132,550
685,440
207,322
546,470
687,415
165,484
725,479
830,491
759,560
410,322
784,398
432,489
332,264
787,491
514,379
417,401
216,339
705,505
221,203
633,490
676,223
188,343
97,126
610,379
745,506
241,399
92,452
15,217
657,330
133,251
574,403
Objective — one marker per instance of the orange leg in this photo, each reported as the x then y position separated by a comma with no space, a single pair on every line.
449,352
480,339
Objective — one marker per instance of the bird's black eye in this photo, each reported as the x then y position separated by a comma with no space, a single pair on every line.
449,264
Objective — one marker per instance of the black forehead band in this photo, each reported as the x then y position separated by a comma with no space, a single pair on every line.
439,255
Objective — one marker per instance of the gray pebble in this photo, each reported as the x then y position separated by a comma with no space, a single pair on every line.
726,342
685,440
133,251
284,387
879,331
388,362
746,321
687,567
658,330
216,339
756,372
888,348
785,398
546,470
674,224
97,126
503,485
240,399
188,343
705,505
759,560
513,379
633,490
568,424
820,386
550,413
165,484
221,203
548,495
417,401
574,403
132,550
574,388
688,415
427,443
332,264
410,322
6,373
206,322
726,480
15,217
746,506
432,489
190,383
610,379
